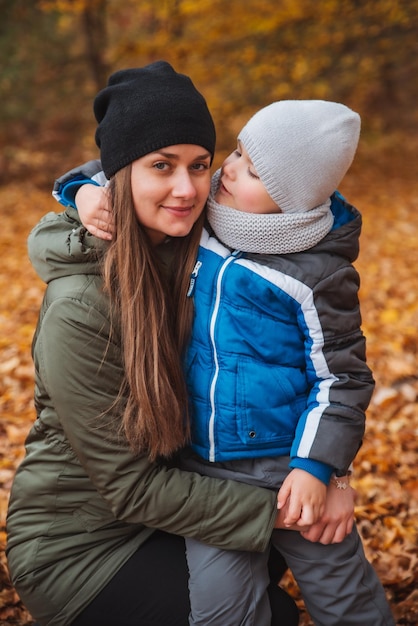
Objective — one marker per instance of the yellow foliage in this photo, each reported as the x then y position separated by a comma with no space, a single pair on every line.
243,55
385,468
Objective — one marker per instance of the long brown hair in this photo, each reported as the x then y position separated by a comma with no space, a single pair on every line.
155,318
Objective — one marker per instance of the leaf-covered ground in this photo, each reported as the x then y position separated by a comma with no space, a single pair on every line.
382,185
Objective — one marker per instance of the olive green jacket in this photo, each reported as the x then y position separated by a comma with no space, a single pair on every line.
82,503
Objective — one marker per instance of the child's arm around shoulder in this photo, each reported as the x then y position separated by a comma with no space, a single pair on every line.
85,189
67,185
93,208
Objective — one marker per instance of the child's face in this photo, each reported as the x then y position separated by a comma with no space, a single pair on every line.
241,188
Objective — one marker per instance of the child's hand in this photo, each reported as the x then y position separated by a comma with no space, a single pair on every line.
304,496
280,521
338,518
93,207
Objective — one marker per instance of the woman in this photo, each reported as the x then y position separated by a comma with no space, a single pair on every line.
97,503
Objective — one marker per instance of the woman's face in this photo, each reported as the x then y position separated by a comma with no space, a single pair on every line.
170,188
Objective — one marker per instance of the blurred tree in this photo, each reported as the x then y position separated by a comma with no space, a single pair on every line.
52,62
88,18
242,55
94,21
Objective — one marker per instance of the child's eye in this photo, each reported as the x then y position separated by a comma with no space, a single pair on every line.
253,175
237,153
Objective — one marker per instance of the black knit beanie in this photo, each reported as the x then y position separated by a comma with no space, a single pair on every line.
145,109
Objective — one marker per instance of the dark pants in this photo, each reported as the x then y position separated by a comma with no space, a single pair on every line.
151,589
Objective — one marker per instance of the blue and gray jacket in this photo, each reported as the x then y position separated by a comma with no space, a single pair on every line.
277,360
276,363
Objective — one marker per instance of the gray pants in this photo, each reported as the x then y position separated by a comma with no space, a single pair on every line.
228,588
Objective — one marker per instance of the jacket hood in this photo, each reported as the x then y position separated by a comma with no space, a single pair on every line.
59,246
343,239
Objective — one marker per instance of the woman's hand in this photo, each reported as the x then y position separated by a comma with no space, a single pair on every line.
93,207
335,523
338,518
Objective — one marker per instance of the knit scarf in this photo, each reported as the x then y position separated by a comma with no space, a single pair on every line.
272,233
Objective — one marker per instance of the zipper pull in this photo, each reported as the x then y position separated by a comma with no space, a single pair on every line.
193,277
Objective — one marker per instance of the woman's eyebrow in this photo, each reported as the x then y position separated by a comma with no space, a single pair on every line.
170,155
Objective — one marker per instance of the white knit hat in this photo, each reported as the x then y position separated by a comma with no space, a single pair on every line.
301,150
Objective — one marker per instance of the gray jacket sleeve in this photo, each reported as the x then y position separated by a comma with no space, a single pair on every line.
346,385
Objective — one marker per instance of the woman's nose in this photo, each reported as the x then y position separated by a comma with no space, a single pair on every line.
184,186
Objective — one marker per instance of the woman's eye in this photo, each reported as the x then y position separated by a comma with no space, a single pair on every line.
160,165
200,167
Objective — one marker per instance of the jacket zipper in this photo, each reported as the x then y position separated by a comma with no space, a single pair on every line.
193,278
214,316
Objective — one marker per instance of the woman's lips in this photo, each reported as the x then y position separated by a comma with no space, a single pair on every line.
179,211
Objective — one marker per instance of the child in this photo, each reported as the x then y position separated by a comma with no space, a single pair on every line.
276,364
